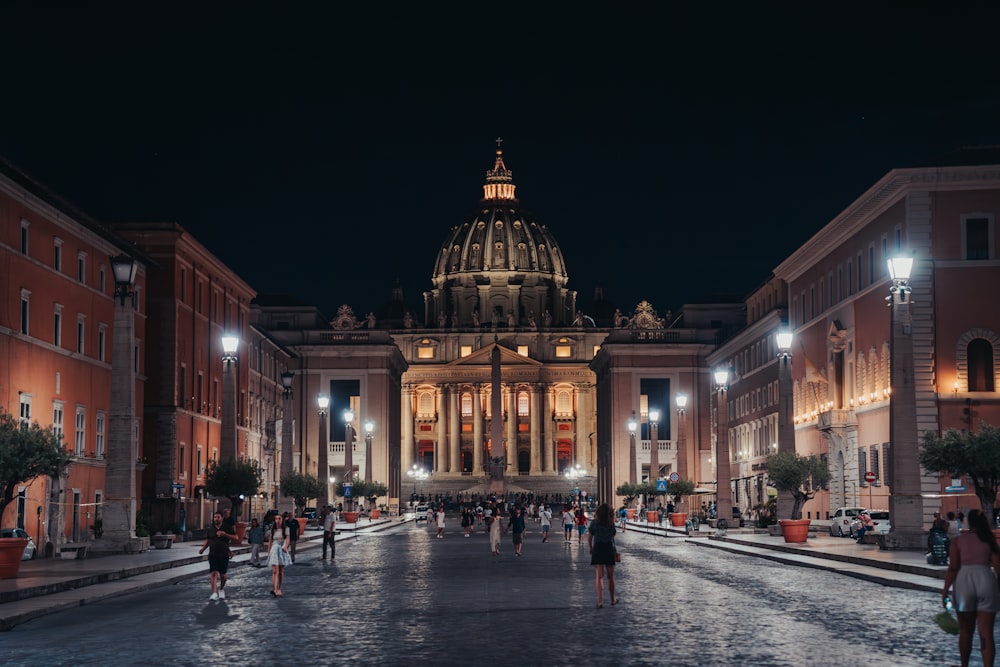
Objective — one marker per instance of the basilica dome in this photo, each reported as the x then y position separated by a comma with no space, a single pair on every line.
500,265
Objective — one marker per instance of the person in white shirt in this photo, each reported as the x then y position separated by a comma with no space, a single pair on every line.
545,516
440,522
329,530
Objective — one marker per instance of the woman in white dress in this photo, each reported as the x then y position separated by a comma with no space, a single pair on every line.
277,555
440,521
495,526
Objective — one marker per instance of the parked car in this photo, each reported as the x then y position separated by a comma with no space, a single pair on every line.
309,514
29,551
840,523
879,517
421,513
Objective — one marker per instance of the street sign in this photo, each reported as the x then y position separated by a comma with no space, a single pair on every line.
348,489
661,486
175,485
674,477
870,476
954,489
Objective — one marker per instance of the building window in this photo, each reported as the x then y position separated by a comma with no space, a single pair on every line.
978,237
102,338
57,419
875,466
81,267
183,285
25,311
466,405
465,350
862,465
563,351
980,355
57,326
181,463
522,404
840,283
850,277
522,350
425,353
871,265
24,236
563,403
102,280
200,463
860,274
80,321
425,404
99,435
80,435
24,409
57,254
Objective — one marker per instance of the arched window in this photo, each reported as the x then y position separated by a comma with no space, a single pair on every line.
466,405
563,402
425,404
980,353
522,404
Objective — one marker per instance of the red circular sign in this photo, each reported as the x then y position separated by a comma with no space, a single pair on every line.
869,476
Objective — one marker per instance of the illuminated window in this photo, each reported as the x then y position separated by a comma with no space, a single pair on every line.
522,404
425,404
466,350
563,405
597,348
466,405
425,353
522,350
563,351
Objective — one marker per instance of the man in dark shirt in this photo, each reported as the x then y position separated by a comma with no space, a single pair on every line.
217,542
517,528
292,525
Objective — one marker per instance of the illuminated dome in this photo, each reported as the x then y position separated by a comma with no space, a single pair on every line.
499,264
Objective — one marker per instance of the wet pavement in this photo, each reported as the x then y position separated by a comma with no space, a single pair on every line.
401,597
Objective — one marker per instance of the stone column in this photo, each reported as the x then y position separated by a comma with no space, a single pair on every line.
548,447
724,505
285,504
454,437
535,409
512,429
477,431
441,451
409,446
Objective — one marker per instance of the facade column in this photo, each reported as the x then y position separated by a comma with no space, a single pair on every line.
477,431
409,446
512,429
441,451
584,428
548,447
723,453
454,437
535,409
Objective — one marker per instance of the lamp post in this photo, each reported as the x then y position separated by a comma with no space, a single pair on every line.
286,504
348,452
417,474
369,431
654,445
681,400
724,490
632,425
786,426
118,515
574,474
229,446
905,503
323,403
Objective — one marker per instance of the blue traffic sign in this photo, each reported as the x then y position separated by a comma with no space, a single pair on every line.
661,486
348,489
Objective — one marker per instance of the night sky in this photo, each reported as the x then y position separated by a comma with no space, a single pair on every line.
675,154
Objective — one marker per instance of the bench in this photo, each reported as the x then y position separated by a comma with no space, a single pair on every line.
160,541
79,549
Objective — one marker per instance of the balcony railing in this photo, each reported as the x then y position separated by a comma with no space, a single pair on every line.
831,419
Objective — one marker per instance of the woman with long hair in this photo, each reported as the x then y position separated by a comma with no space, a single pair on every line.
974,569
277,555
601,540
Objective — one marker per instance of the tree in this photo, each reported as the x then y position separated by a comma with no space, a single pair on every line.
973,454
682,487
27,452
234,478
801,476
629,491
301,486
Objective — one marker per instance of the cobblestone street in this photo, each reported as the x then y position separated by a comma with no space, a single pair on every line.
402,597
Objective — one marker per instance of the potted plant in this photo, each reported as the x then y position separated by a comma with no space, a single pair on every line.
372,491
678,489
974,454
26,452
236,479
357,491
630,493
301,486
800,476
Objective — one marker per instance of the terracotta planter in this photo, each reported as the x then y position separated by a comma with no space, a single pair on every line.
302,525
241,530
350,517
376,514
795,530
631,513
652,517
11,550
678,518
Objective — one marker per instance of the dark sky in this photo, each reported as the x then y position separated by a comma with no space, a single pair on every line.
674,153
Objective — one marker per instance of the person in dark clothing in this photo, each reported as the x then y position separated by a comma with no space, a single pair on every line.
217,541
292,526
516,525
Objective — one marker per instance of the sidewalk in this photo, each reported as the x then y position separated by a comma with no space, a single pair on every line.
45,586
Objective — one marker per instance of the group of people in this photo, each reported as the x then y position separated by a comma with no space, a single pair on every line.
280,532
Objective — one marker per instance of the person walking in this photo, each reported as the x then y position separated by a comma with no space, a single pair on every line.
440,521
545,518
256,541
466,521
329,532
568,520
277,554
601,541
217,542
517,528
581,524
292,526
494,520
973,570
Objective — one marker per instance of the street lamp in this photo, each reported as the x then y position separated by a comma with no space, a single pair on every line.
323,403
905,502
229,446
369,431
724,489
632,425
574,473
654,445
286,504
417,474
118,512
786,425
685,462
